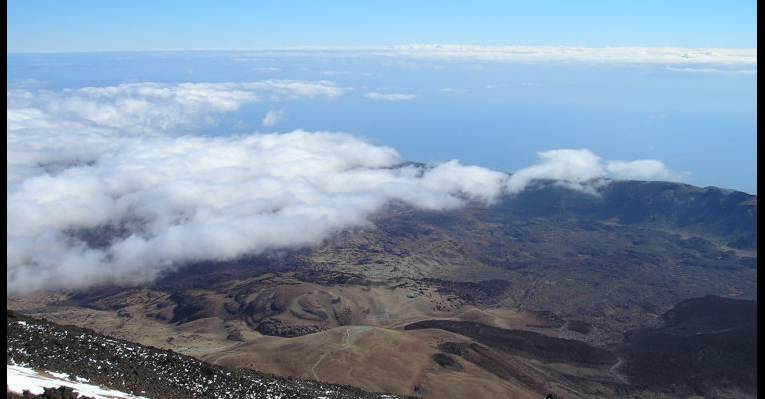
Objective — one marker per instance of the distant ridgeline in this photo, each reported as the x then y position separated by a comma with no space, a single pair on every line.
726,216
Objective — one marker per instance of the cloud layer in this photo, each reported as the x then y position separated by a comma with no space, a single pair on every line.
581,169
113,185
390,96
641,55
568,54
272,118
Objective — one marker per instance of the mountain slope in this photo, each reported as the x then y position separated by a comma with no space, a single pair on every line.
575,267
147,371
705,346
726,215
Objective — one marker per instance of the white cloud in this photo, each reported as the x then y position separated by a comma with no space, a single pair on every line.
581,169
568,54
199,198
81,160
123,165
98,119
574,167
733,71
162,106
645,169
272,117
637,55
390,96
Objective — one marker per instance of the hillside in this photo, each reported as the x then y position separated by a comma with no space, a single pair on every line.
466,301
147,371
705,346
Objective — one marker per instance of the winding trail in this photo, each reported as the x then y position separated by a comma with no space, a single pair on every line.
346,344
613,372
313,368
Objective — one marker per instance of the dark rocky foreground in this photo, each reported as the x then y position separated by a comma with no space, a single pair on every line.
705,345
147,371
61,392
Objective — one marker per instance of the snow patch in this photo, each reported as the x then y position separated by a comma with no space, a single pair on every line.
20,378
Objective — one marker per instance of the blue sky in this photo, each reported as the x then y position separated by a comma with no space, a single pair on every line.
77,25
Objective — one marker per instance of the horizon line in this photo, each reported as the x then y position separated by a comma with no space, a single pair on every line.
375,47
728,58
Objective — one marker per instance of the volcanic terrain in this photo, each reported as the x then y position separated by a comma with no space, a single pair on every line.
643,289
